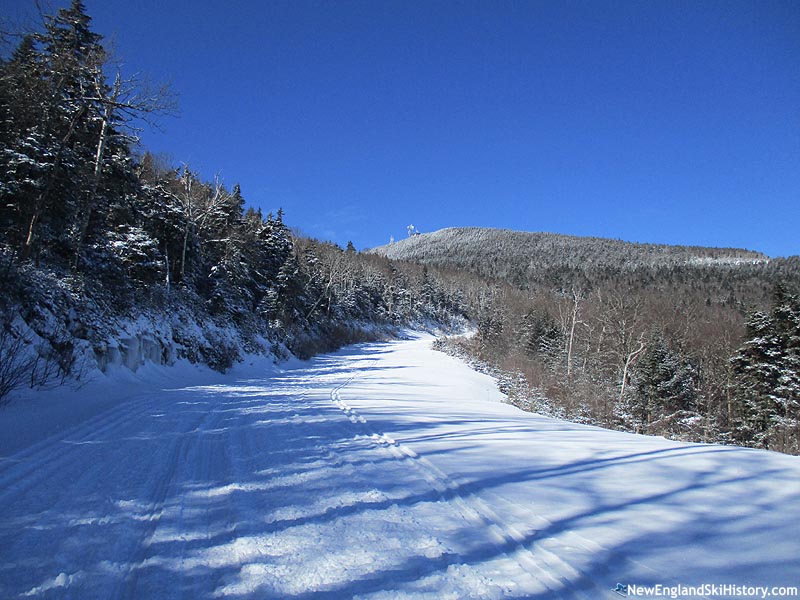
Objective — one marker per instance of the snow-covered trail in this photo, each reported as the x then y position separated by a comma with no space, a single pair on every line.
382,471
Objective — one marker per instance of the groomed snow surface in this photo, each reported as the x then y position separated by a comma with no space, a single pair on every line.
383,471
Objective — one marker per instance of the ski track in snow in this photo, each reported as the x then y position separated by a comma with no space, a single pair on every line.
382,471
547,568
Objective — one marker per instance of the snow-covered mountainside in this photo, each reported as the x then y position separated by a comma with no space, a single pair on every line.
383,471
454,239
521,257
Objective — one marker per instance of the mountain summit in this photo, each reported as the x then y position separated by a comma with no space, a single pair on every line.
519,255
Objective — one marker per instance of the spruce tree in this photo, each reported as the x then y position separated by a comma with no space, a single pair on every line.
767,368
666,399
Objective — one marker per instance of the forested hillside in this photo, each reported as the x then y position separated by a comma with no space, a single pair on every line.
522,258
700,344
113,256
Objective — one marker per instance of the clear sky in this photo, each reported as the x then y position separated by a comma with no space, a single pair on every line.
654,121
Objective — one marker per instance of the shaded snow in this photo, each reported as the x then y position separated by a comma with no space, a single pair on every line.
383,471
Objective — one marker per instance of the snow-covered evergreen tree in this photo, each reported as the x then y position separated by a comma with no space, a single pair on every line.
666,399
767,366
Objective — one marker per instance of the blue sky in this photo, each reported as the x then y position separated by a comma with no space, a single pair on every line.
654,121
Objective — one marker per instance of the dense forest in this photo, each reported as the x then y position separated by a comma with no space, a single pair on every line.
698,344
112,256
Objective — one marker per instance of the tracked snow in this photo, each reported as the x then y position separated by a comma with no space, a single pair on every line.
382,471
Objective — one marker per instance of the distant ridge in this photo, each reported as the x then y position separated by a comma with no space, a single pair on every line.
519,255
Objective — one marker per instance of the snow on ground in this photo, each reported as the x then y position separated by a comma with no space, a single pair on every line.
383,471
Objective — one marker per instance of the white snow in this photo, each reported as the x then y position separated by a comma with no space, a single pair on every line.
382,471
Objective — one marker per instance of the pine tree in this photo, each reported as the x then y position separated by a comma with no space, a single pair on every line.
666,399
73,57
540,335
24,158
767,367
231,273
